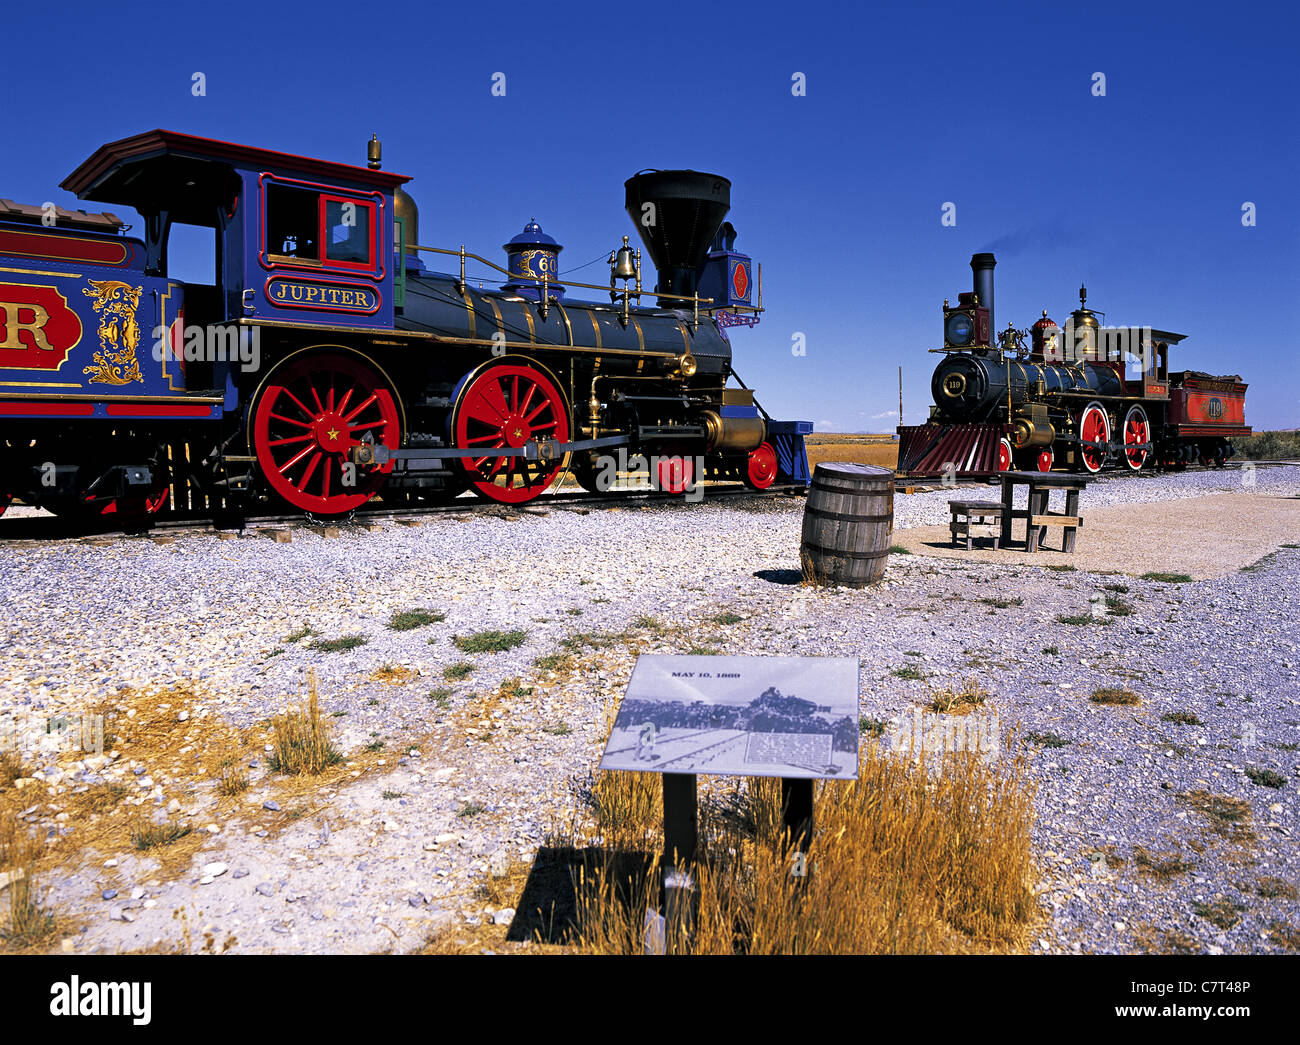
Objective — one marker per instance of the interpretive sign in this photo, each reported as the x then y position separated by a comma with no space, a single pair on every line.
788,717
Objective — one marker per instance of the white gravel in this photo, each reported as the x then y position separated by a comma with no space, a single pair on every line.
82,620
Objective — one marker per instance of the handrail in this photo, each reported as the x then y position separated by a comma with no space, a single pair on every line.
464,254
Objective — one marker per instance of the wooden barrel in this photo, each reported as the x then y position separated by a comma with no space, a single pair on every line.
847,524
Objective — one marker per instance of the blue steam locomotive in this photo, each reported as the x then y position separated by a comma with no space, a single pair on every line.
328,362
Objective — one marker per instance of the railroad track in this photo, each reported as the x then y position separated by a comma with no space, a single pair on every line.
174,524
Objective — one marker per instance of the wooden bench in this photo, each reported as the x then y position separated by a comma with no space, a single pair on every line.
966,512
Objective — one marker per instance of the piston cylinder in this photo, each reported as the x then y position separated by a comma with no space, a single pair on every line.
1026,432
733,434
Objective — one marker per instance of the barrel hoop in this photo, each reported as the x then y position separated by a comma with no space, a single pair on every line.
838,553
852,487
822,513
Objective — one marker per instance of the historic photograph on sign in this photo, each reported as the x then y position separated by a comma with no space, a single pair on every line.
746,716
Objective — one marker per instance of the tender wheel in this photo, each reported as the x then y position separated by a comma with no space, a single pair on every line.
1137,430
1005,453
1094,427
675,474
88,507
135,506
312,410
507,404
761,468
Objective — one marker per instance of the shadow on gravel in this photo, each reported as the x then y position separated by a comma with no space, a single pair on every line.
547,910
780,576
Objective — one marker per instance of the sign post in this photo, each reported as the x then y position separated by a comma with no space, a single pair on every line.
795,718
681,821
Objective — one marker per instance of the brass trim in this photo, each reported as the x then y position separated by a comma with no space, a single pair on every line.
686,340
286,324
568,327
546,346
38,272
41,384
496,310
167,334
594,326
640,337
469,309
101,398
532,328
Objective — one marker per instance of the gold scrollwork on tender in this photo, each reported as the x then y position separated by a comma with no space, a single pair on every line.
119,333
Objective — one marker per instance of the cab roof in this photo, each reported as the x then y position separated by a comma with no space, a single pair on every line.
183,173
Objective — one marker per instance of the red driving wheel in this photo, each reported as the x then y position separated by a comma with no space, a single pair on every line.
674,474
1137,432
761,468
1094,427
508,404
1045,459
311,412
1004,455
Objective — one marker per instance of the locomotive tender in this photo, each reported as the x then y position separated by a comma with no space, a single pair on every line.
1081,397
327,363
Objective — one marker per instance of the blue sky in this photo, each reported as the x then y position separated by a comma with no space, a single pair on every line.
838,193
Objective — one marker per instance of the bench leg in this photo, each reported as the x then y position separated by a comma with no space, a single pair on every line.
1071,509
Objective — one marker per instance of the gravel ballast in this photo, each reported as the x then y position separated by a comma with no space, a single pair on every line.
450,785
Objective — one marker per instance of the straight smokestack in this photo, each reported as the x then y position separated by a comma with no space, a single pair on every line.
982,267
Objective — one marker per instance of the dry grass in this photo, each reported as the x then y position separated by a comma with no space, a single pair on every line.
1118,695
11,767
393,674
856,449
150,835
29,926
233,780
903,861
302,745
1161,865
1225,815
958,699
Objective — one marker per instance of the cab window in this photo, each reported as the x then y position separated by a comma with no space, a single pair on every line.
292,223
347,224
314,228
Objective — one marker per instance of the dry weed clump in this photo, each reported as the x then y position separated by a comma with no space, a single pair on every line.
11,767
28,925
301,743
958,699
906,860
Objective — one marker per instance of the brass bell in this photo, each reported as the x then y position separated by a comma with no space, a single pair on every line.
624,263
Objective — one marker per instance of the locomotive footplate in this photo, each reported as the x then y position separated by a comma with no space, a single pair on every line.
533,450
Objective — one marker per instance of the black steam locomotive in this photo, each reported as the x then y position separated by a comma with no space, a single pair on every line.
1082,396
